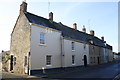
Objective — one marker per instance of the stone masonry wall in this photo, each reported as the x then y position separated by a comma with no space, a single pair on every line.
94,53
20,43
5,60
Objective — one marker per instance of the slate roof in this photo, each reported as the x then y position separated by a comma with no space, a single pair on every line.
67,32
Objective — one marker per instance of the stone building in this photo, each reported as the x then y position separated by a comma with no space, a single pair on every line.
38,43
115,55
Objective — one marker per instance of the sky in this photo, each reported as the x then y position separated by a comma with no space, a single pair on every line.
102,17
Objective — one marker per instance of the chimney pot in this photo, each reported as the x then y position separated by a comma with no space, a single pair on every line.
51,16
75,26
102,38
84,29
92,32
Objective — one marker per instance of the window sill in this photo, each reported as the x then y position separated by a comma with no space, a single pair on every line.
73,64
48,65
42,44
73,50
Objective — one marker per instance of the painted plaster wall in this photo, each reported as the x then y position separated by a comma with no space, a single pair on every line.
52,47
79,53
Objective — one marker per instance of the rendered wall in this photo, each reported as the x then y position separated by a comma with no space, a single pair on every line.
52,47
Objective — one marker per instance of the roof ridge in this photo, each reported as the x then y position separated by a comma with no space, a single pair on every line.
36,15
72,28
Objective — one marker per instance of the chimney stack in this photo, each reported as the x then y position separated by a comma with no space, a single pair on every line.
84,29
23,7
51,16
102,38
75,26
92,32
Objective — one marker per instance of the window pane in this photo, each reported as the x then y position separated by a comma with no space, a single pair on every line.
91,59
73,45
42,38
73,59
48,60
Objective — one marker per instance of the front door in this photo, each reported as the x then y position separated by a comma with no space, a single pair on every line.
85,60
98,60
11,63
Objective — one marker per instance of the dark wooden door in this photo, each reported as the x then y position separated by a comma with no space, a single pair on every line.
98,60
11,63
85,60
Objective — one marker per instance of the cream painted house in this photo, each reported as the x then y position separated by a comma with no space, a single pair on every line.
38,43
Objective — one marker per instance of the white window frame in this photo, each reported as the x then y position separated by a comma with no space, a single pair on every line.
73,46
48,60
42,40
73,59
91,42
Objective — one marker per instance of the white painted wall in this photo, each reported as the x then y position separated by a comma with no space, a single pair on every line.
106,55
110,55
39,52
53,47
79,53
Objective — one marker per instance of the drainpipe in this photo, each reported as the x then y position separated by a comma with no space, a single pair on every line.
29,57
62,51
28,63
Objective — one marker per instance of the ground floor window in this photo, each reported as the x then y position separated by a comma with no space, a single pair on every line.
73,59
48,59
90,59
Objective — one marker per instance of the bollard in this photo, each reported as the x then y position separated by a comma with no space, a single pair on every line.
43,69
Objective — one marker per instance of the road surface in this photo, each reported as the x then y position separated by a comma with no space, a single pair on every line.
110,71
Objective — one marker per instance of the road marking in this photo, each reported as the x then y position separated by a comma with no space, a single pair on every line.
117,77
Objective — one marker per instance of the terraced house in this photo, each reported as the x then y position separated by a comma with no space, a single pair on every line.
38,43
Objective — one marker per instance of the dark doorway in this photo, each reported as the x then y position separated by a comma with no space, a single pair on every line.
11,63
98,60
85,60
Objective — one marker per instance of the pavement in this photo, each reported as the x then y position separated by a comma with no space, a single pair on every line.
16,75
117,77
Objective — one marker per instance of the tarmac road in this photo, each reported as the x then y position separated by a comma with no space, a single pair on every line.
105,71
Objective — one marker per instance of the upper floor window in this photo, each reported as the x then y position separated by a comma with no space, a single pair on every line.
42,38
91,41
84,46
73,46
